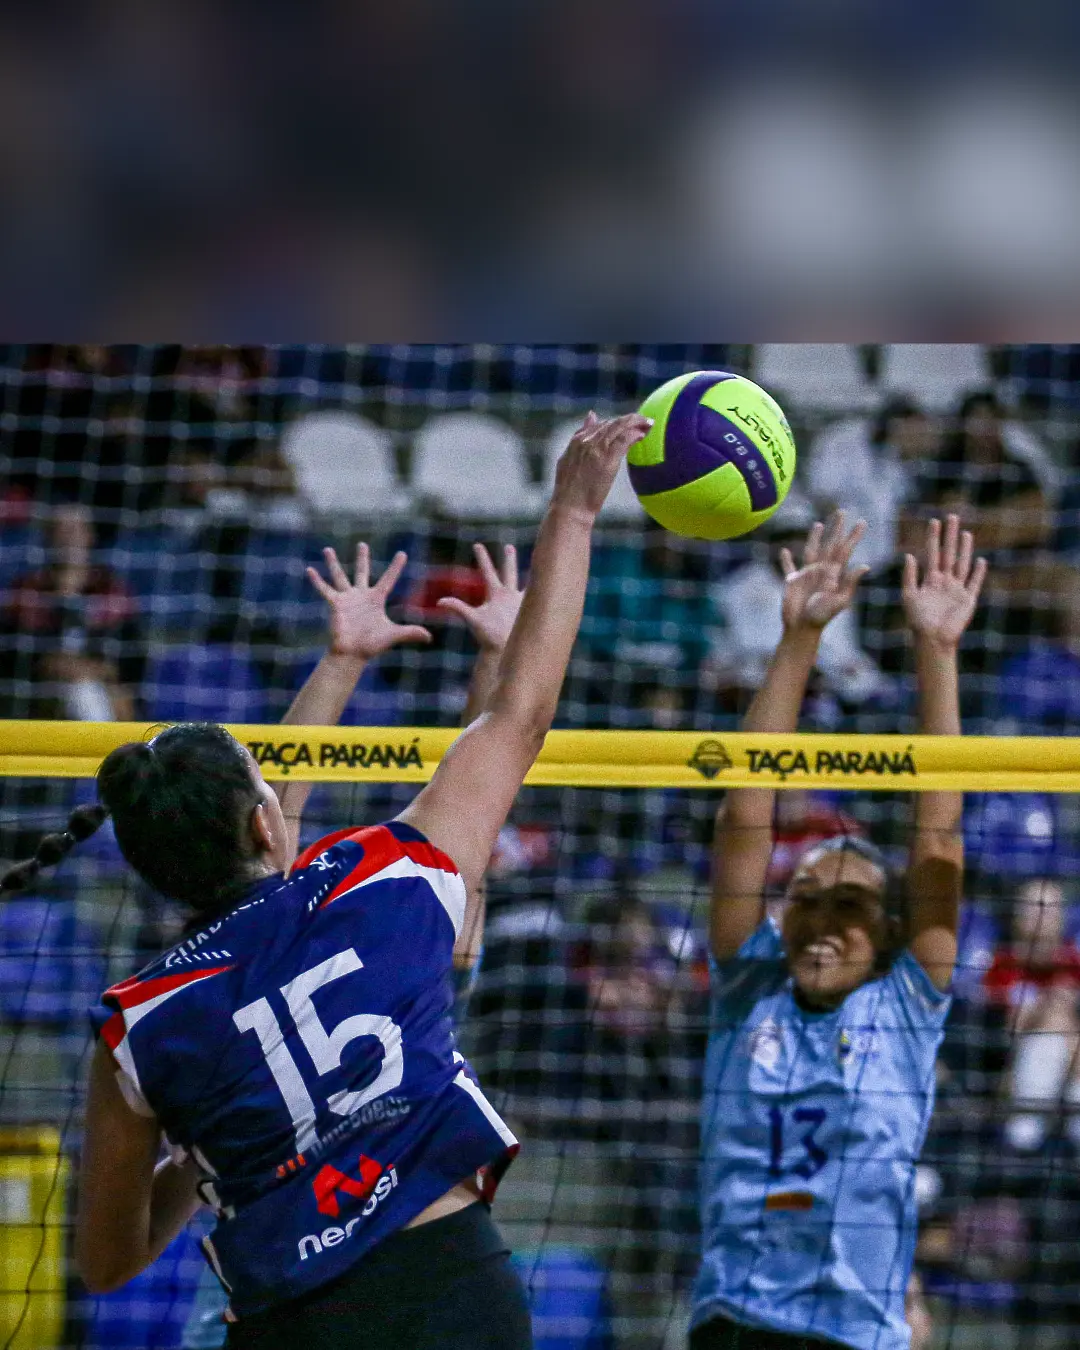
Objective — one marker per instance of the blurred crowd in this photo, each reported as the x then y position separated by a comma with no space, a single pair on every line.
157,508
559,167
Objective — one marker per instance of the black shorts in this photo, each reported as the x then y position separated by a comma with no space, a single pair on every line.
720,1334
447,1285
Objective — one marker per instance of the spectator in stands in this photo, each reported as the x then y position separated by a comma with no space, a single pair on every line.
71,640
64,446
639,1046
1037,979
866,467
982,476
648,608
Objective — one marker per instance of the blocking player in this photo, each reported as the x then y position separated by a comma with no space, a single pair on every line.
819,1078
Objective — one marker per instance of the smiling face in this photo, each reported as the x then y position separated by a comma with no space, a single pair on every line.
834,925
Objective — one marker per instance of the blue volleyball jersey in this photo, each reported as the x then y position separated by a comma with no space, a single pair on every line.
811,1127
300,1050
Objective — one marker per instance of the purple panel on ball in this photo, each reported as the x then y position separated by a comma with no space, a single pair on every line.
707,440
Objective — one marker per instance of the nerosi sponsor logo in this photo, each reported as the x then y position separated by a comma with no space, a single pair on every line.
311,1244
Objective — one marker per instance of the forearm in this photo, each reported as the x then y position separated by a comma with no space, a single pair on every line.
534,663
174,1200
470,942
937,814
485,677
775,708
321,700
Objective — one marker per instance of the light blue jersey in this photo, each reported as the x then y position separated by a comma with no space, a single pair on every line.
811,1127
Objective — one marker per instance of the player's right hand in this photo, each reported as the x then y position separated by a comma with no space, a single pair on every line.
590,462
825,583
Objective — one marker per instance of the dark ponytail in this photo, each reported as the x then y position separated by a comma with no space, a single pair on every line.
181,807
82,823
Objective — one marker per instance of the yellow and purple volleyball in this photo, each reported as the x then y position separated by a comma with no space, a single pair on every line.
718,459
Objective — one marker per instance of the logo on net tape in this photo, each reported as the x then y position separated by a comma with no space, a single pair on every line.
709,759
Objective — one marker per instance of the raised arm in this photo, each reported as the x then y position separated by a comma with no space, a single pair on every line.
742,842
939,609
359,631
466,803
492,623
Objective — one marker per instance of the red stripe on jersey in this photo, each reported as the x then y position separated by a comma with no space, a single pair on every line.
130,993
114,1031
312,851
381,849
427,855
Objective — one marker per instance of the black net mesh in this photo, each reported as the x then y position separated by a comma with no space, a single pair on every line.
158,506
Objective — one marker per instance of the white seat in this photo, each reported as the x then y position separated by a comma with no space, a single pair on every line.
937,374
622,502
472,465
820,375
343,462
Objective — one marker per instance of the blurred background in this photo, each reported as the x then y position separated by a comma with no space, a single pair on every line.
422,171
158,505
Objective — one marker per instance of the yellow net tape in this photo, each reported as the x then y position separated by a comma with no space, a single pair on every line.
632,759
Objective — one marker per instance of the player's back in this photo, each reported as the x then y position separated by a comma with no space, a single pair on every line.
300,1049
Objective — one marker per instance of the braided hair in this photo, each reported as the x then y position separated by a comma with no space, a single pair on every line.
180,807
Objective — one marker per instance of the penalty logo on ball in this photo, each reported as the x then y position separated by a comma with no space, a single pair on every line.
719,458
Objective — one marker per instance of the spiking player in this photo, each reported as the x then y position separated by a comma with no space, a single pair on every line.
295,1053
361,631
819,1077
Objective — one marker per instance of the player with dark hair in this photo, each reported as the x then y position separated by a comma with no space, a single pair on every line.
824,1029
295,1053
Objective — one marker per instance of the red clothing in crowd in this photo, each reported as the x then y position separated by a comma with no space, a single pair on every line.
1013,982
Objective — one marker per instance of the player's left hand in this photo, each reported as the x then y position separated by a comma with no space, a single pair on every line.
940,606
359,625
492,621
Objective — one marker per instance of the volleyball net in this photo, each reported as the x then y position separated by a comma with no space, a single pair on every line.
197,484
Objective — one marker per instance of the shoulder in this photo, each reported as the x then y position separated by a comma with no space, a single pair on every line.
349,859
372,849
754,969
909,986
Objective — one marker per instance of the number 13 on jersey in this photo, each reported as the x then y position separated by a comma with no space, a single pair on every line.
806,1120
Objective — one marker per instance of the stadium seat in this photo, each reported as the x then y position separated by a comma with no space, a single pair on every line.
473,466
569,1299
51,969
343,462
151,1309
22,549
819,375
1037,692
372,703
165,570
937,374
204,683
622,502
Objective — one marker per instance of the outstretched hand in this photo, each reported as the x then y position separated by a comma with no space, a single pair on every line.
492,621
359,626
825,583
588,466
940,607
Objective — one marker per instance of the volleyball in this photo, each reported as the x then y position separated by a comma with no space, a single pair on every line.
718,459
